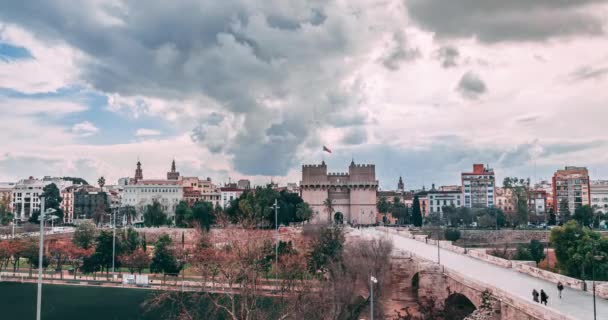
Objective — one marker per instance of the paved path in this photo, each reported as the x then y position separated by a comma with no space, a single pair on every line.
575,303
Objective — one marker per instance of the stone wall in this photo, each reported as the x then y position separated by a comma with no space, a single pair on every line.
602,290
503,236
549,276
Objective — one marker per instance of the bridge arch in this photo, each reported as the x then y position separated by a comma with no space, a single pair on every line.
457,306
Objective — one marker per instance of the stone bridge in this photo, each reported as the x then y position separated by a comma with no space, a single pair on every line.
445,289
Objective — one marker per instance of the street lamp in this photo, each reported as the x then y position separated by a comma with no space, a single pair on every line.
276,241
594,258
113,239
49,211
372,280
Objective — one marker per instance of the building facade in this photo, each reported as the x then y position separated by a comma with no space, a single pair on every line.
140,193
227,194
67,203
537,202
478,187
571,188
6,195
90,202
352,195
504,199
599,195
443,197
26,195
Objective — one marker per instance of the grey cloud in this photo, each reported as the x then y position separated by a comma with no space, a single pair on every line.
252,59
448,55
355,136
513,20
587,73
399,53
527,119
471,86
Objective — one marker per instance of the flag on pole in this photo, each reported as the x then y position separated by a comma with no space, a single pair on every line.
326,149
374,280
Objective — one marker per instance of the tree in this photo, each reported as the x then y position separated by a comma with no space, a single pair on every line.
584,215
202,214
136,261
130,241
84,236
520,189
31,254
102,257
564,211
416,213
552,218
433,218
52,197
59,252
536,250
183,214
154,215
383,206
452,234
164,260
76,256
5,216
303,211
101,182
326,248
490,217
75,180
575,249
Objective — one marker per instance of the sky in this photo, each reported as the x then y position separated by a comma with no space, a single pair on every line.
253,89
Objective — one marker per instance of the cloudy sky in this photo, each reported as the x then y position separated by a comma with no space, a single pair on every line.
237,88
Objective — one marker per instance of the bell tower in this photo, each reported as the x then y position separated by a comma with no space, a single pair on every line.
139,175
173,175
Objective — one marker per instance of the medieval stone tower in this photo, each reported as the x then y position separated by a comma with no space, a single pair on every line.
352,194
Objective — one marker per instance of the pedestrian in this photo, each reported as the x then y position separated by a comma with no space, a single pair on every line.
543,297
560,288
535,295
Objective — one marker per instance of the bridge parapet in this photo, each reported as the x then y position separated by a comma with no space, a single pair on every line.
435,283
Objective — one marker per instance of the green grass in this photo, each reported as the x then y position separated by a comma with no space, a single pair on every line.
62,302
65,302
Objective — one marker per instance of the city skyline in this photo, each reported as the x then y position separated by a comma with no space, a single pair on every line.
256,94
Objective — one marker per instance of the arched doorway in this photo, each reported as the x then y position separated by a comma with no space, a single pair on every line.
415,284
384,220
338,218
458,307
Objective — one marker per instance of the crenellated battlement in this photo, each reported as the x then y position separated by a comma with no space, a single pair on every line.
314,166
338,174
364,166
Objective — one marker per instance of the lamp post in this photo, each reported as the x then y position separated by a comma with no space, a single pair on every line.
372,280
594,258
113,239
276,241
41,218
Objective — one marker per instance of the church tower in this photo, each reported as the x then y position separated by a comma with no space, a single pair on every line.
400,185
173,175
139,175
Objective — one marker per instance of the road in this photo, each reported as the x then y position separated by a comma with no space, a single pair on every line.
575,303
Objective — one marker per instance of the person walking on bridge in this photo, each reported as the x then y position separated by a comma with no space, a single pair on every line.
560,288
543,297
535,295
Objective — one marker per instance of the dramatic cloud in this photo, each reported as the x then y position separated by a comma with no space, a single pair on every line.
84,129
398,53
513,20
471,86
235,88
448,56
355,136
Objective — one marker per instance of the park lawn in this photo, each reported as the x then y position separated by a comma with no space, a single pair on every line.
64,302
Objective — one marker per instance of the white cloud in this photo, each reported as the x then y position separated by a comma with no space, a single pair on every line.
85,129
142,132
53,66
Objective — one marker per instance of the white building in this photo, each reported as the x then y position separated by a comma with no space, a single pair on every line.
145,192
599,195
439,198
140,193
227,194
26,195
6,194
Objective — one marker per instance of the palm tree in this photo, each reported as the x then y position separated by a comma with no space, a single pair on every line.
329,207
101,182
